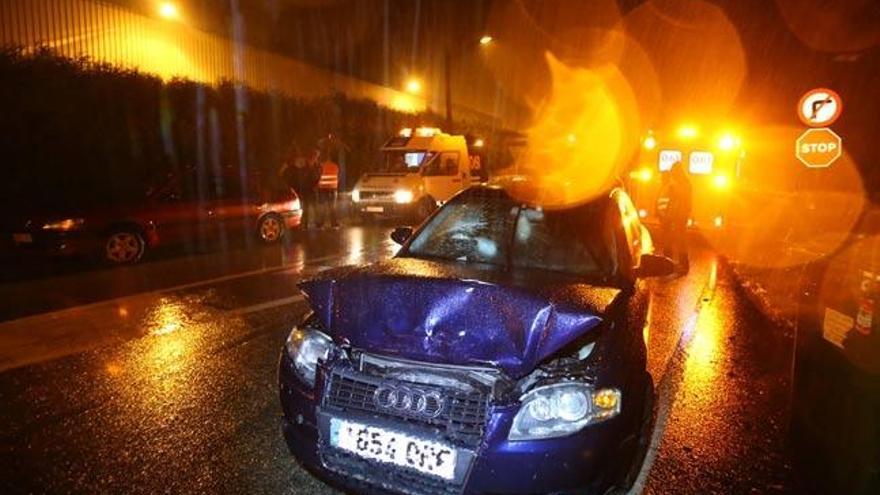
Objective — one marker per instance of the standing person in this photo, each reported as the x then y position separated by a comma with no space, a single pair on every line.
674,210
309,176
328,187
296,174
285,172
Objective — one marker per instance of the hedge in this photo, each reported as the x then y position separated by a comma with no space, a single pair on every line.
79,132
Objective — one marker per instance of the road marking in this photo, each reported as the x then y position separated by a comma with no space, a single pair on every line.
51,335
299,265
267,305
671,380
293,268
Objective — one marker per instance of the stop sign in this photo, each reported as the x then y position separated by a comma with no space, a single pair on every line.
818,148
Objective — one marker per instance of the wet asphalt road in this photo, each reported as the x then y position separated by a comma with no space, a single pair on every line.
171,389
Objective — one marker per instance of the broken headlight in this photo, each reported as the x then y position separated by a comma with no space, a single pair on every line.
305,347
560,409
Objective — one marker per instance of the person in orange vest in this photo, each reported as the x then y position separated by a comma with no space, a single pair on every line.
328,187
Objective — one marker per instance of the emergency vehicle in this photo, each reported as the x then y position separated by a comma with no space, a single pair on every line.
421,169
713,161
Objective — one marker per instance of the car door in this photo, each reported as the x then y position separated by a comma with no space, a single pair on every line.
180,215
234,208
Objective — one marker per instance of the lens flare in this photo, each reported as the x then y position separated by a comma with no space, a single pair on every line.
582,135
682,36
831,29
789,215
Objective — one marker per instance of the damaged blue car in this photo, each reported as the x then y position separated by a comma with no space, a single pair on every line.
500,351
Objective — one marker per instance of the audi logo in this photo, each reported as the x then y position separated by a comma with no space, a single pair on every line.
408,400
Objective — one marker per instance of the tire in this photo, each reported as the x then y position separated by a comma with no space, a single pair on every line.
271,229
643,443
124,246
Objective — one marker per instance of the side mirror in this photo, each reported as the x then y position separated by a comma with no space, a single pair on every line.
401,234
652,265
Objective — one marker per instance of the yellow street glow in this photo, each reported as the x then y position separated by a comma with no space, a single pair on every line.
650,143
478,143
643,174
727,142
719,221
687,132
414,86
168,10
486,39
721,181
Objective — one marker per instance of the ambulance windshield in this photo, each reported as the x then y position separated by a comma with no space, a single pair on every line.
403,161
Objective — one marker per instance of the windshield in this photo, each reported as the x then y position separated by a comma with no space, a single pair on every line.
403,161
489,227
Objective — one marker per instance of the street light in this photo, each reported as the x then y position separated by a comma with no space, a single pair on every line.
447,77
413,86
687,131
167,10
727,142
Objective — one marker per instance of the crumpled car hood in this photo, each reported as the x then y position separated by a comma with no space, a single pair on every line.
455,314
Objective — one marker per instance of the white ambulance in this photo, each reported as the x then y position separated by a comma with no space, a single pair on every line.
421,169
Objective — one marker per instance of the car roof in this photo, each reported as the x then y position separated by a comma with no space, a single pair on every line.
522,188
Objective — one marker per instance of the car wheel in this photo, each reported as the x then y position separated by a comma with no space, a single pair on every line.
270,229
643,443
124,247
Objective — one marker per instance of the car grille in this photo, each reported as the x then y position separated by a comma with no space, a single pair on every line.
461,420
373,195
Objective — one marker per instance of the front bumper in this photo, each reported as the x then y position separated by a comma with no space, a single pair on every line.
54,243
582,462
292,218
384,208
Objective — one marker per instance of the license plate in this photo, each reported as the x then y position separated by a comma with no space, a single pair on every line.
376,209
391,447
22,238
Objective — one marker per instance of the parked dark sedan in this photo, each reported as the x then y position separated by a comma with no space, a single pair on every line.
501,351
178,211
